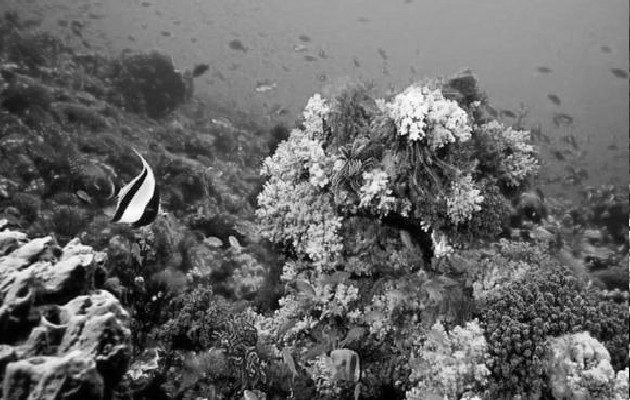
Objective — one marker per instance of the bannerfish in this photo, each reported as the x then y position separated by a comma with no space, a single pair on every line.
139,200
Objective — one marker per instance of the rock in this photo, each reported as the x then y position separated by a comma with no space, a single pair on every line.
32,250
73,376
39,273
10,240
7,355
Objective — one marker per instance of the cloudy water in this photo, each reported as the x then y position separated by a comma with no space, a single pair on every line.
566,61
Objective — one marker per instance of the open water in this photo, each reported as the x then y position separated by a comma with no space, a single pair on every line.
563,58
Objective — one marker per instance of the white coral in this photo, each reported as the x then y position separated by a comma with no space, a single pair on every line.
420,112
315,112
463,199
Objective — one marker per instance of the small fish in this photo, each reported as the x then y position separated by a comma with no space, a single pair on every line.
605,49
322,54
619,73
554,99
356,62
382,53
166,34
262,87
77,27
364,20
300,48
200,69
562,120
31,23
310,58
82,195
139,200
492,111
145,4
304,38
613,147
193,40
177,22
558,155
222,122
543,70
571,140
237,45
507,114
131,38
62,23
218,74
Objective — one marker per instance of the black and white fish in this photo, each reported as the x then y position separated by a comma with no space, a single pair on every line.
139,200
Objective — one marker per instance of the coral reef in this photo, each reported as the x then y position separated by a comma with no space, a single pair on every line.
391,248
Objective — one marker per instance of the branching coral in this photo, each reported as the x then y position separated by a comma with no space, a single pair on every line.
508,153
420,112
463,200
450,364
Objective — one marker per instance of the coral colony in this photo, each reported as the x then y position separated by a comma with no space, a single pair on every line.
384,248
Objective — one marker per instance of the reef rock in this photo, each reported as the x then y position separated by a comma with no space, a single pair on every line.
73,376
62,338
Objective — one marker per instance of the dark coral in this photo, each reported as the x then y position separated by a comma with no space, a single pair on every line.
548,301
150,83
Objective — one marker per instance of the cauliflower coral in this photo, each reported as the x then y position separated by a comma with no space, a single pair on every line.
420,112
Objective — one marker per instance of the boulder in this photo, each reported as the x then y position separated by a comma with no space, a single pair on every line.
73,376
63,339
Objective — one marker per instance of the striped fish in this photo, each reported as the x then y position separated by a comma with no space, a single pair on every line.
139,200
